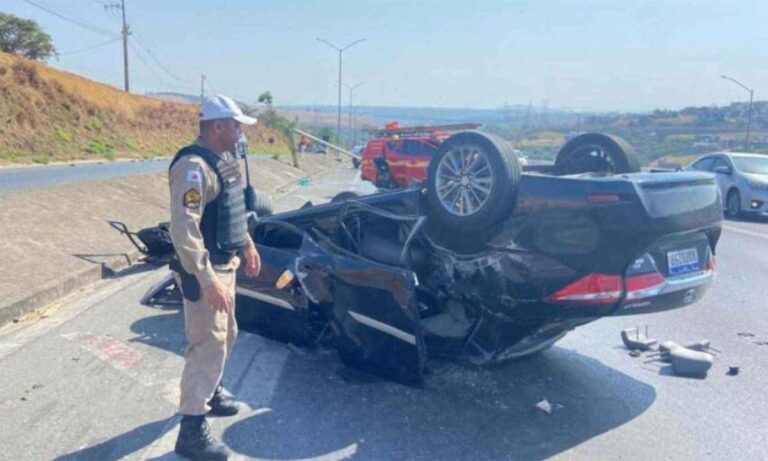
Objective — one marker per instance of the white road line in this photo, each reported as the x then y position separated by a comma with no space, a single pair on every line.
747,232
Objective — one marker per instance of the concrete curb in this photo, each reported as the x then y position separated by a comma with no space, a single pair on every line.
107,268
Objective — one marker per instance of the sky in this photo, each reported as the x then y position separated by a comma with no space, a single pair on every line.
575,55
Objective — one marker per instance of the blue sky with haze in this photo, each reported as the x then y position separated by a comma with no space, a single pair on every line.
588,55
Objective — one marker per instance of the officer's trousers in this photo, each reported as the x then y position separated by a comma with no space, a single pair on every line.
210,336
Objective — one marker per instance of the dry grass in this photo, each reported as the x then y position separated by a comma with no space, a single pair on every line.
51,115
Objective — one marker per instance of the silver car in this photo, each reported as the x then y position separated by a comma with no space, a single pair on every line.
742,179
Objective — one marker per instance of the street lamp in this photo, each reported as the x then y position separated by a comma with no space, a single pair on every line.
749,116
351,126
340,50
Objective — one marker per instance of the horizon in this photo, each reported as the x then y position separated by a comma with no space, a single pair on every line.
596,57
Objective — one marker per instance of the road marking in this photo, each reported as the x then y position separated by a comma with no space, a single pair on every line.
747,232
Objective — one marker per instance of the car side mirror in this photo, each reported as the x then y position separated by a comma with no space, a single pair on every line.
723,170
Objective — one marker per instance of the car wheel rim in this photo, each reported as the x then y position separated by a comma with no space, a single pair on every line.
464,180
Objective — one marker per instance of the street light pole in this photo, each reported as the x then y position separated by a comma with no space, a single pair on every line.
749,112
350,88
341,51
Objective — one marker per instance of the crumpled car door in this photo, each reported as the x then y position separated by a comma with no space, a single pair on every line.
373,313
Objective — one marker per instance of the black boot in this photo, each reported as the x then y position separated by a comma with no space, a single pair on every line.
222,403
196,442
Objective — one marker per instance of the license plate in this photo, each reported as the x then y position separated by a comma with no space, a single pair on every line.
681,261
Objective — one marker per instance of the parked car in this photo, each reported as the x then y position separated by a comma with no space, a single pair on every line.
487,262
741,178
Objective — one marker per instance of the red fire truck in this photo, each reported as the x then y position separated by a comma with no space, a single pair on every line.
399,156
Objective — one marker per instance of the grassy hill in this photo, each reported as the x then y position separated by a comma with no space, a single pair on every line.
50,115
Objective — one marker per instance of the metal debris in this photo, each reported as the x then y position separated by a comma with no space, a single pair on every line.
633,339
687,362
544,406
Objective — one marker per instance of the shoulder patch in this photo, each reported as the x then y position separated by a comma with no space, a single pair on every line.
194,176
192,199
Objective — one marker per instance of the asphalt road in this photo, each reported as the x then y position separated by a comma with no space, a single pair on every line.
97,379
33,177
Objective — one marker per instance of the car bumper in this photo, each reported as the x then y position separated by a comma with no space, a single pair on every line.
756,202
676,292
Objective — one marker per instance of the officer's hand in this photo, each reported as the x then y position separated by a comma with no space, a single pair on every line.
252,261
217,297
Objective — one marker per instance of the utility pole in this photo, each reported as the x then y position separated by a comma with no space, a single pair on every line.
749,113
340,50
202,89
125,33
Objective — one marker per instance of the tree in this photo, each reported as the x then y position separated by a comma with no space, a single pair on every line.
24,37
265,98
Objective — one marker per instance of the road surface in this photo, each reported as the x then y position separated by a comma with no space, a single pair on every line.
33,177
98,380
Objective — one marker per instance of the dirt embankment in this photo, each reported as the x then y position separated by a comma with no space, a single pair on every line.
49,115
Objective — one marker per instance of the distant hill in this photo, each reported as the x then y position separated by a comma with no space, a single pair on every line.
51,115
516,115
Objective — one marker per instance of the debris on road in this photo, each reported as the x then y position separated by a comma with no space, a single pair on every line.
687,362
733,371
633,339
694,359
544,406
635,353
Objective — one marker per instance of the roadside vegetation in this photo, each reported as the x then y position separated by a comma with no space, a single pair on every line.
663,138
50,115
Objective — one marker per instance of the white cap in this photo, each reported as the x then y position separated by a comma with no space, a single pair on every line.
220,106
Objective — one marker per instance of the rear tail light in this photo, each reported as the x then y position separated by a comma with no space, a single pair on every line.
644,285
711,264
592,289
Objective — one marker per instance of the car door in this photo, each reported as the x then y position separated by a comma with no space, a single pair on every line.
397,162
277,310
724,180
371,308
419,154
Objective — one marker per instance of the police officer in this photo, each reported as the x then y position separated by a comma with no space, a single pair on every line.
209,231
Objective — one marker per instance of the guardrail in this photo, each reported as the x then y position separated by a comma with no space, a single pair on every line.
326,143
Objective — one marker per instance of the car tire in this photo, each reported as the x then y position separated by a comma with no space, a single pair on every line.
344,196
733,204
596,153
472,182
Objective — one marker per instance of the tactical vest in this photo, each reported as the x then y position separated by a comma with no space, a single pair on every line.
223,224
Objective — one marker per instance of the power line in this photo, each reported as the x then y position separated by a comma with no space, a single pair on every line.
93,47
144,61
159,63
73,21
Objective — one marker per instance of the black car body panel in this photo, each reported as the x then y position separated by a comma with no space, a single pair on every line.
387,287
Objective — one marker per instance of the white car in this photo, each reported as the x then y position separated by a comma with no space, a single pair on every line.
742,179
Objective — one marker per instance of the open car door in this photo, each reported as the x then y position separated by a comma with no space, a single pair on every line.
272,307
371,309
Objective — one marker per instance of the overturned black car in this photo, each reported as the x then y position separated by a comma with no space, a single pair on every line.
485,262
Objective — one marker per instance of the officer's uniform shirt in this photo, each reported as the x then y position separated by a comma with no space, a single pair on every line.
194,185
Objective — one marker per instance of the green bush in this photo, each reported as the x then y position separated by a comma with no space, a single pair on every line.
62,134
133,145
100,147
